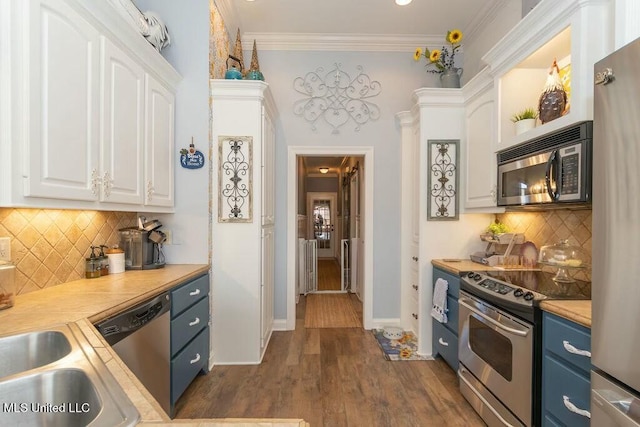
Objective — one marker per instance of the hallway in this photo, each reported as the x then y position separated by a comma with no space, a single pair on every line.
331,377
328,274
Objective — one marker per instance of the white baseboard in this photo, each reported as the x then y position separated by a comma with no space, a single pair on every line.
381,323
280,325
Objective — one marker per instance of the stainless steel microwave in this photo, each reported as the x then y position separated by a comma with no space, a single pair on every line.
553,170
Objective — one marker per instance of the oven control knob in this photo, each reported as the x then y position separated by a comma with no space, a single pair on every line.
518,293
528,296
470,274
477,277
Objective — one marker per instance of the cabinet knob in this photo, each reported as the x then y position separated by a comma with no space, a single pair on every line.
415,258
150,190
107,183
415,287
415,316
95,182
196,360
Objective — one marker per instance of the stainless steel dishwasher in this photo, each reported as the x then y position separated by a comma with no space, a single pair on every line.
141,337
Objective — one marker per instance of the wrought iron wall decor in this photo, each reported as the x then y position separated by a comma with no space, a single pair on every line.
443,179
235,192
336,98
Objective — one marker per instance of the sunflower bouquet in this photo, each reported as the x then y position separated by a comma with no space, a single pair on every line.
443,59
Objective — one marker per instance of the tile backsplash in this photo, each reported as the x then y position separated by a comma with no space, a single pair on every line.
550,227
49,247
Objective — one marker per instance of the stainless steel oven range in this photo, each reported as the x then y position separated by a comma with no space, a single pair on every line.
500,341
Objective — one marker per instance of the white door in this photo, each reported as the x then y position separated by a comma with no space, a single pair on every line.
159,155
123,127
62,153
322,222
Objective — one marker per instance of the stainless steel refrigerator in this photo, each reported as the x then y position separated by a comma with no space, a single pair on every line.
615,332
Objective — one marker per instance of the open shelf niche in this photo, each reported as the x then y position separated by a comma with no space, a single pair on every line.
577,33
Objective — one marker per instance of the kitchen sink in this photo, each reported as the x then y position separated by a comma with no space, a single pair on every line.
54,377
57,397
31,350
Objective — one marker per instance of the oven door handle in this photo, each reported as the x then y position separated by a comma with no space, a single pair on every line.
519,332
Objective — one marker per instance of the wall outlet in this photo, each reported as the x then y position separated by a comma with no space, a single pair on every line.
5,249
169,240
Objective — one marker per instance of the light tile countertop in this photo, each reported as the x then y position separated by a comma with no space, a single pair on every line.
574,310
88,301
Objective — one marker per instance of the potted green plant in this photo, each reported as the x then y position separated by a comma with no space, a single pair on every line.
525,120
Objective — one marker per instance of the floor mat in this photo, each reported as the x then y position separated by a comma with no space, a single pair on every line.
405,348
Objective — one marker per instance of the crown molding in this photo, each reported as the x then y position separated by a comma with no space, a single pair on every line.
484,18
230,17
341,42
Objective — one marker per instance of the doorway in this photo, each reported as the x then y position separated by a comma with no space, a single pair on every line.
365,253
322,219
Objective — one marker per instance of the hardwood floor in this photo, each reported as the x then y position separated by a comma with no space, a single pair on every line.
329,275
330,377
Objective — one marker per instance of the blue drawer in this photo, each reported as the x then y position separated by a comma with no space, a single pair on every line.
454,281
557,330
189,293
186,364
549,421
452,315
445,343
560,380
188,324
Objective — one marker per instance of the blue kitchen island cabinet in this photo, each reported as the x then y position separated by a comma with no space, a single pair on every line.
189,334
566,363
445,335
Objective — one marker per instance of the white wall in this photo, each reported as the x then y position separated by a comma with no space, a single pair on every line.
280,68
189,55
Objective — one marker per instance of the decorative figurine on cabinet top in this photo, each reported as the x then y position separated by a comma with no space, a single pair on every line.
553,101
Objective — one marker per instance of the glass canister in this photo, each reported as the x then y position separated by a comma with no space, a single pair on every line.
7,284
92,265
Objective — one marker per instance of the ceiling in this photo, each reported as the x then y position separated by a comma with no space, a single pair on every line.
422,19
313,163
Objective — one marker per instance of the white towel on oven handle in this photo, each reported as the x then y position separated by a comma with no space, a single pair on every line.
439,309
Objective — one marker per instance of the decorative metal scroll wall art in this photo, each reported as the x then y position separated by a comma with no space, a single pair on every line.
235,179
336,98
442,203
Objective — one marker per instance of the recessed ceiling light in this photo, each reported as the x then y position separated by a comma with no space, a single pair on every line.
403,2
323,170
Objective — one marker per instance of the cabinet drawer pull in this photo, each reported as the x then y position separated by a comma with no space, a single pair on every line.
196,360
443,342
194,293
195,322
573,408
571,349
415,287
415,316
415,258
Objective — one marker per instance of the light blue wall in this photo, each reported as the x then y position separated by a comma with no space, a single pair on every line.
399,76
188,53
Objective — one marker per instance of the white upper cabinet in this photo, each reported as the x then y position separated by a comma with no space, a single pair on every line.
122,130
91,106
480,158
62,104
159,136
577,33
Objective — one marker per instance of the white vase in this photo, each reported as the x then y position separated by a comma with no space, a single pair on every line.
524,125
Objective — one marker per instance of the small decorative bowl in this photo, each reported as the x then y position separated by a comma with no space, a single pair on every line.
392,333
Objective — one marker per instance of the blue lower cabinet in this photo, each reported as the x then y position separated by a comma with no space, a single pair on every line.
445,343
445,335
566,384
189,334
188,363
